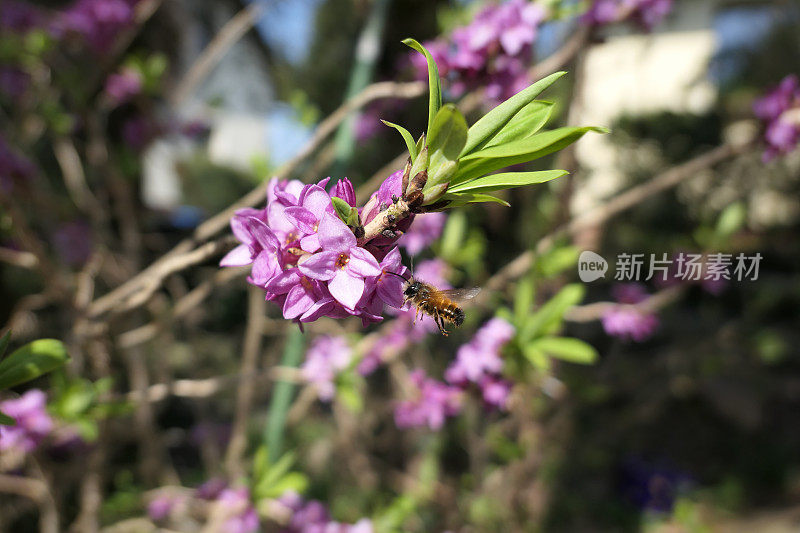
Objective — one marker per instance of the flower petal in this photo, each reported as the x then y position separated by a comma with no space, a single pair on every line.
284,282
262,234
320,266
310,243
317,201
301,218
239,256
298,301
363,263
346,289
334,234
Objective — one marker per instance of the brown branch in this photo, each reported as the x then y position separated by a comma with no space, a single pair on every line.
256,309
228,35
655,302
18,258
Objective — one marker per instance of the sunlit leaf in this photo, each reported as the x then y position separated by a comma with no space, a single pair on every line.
567,349
434,84
526,123
507,180
409,140
31,361
488,160
549,316
497,118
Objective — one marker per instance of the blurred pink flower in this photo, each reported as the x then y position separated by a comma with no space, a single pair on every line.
33,423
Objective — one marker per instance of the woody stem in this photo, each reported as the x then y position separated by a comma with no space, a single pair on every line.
386,219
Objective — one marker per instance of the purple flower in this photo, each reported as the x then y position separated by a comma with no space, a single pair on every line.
314,203
73,243
326,358
630,293
627,321
313,517
162,506
98,22
138,132
341,263
19,17
123,85
434,402
14,81
772,105
242,516
33,423
211,489
648,13
425,229
344,190
496,392
480,357
493,51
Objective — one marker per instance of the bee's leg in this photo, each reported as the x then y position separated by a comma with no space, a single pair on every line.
440,323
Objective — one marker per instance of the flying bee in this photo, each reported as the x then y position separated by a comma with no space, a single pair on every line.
441,305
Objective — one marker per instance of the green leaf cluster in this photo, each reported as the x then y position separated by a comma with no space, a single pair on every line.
271,480
462,160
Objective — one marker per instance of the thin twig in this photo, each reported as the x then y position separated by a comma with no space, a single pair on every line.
253,334
226,37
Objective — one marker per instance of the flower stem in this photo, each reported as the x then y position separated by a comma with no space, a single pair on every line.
386,219
282,396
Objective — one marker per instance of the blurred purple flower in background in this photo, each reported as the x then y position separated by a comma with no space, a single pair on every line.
779,109
425,229
33,423
123,85
98,22
434,402
326,357
648,13
479,362
73,242
14,82
626,321
405,330
652,486
242,515
20,17
313,517
493,51
162,505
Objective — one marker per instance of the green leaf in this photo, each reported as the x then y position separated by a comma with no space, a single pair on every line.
446,138
537,357
548,317
526,123
567,349
410,144
6,420
523,300
31,361
434,86
278,470
731,220
341,207
488,160
497,118
507,180
459,200
4,340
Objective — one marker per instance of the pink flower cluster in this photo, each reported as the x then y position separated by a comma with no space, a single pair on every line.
33,422
648,13
780,111
626,321
309,262
479,362
98,22
434,402
313,517
326,357
493,51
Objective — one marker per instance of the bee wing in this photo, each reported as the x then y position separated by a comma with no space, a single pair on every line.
461,295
